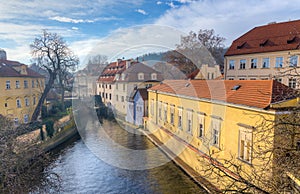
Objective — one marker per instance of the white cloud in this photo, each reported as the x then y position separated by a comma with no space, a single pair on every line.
171,4
129,42
70,20
229,18
158,2
141,11
75,28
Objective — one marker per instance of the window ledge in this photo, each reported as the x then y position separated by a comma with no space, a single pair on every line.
244,161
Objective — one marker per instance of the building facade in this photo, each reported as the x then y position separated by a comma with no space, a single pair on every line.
266,52
208,122
20,90
138,75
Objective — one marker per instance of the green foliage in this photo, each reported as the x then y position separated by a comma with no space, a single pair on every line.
49,127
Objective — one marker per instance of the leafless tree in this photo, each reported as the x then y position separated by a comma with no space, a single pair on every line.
51,53
196,49
22,170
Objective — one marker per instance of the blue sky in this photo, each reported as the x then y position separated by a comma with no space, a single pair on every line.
123,28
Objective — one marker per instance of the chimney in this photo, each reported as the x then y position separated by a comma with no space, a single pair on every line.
3,55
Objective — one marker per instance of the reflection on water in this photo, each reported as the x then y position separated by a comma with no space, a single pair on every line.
82,172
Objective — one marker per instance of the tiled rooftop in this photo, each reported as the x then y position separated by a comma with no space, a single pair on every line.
7,70
252,93
268,38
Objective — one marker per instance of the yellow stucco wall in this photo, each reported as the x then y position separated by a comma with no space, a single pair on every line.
230,118
8,97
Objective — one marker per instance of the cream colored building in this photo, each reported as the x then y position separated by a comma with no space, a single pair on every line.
20,90
207,72
266,52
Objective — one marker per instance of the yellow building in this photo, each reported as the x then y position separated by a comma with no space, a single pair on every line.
220,127
20,89
266,52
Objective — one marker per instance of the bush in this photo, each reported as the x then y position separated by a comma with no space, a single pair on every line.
49,127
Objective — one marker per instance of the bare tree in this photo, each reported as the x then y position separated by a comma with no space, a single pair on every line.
22,170
196,49
51,53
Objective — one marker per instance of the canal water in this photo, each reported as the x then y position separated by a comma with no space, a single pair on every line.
81,171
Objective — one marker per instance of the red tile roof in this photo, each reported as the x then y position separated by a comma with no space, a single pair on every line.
252,93
7,70
110,71
267,38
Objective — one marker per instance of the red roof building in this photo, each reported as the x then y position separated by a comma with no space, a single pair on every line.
265,52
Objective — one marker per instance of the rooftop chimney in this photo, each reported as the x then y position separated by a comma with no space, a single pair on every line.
3,55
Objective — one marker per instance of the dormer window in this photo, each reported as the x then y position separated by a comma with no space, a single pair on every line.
153,76
123,76
140,76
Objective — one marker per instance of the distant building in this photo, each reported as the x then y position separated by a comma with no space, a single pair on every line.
136,76
137,107
20,90
206,72
266,52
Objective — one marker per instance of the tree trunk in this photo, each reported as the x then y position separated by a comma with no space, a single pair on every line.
62,87
37,109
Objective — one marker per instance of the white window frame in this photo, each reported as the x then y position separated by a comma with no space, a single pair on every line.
293,61
17,84
279,62
26,102
231,64
243,63
292,82
160,110
26,118
165,106
140,76
201,125
180,118
245,144
215,132
18,102
253,63
7,84
153,76
25,83
189,121
172,113
152,106
266,63
16,121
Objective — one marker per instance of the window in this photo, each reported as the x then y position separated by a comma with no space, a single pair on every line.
123,76
242,63
117,98
165,112
189,122
242,78
212,76
26,118
180,118
16,121
252,78
18,103
172,114
109,86
32,83
7,85
110,96
25,84
292,82
37,83
245,144
105,95
279,79
208,74
26,102
293,61
201,125
253,63
159,110
215,130
152,107
34,100
17,84
124,87
153,76
266,63
117,86
140,76
231,64
230,78
122,98
279,62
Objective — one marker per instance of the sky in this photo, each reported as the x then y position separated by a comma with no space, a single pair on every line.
128,28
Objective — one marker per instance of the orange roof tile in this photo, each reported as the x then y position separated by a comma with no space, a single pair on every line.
252,93
267,38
